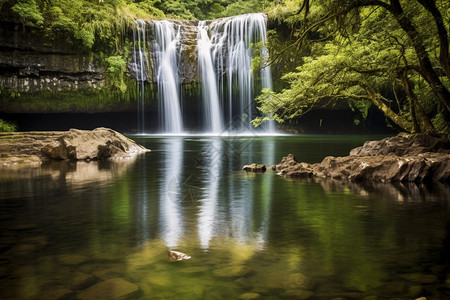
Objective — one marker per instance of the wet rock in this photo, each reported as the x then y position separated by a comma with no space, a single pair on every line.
249,296
97,144
254,168
115,288
176,255
380,163
405,144
19,149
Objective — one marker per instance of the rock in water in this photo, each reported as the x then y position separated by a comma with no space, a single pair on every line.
115,288
254,168
175,255
402,158
100,143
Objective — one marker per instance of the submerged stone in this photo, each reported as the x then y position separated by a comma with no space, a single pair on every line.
249,296
115,288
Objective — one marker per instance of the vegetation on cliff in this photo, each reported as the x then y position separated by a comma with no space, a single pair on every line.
388,53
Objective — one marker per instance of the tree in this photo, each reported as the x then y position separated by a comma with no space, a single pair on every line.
368,51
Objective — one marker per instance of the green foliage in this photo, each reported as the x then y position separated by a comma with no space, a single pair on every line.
117,67
357,54
7,127
28,11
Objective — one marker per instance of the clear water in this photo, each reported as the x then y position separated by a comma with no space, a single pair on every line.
67,228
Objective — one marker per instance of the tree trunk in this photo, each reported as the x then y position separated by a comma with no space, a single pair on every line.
425,64
430,5
397,119
415,106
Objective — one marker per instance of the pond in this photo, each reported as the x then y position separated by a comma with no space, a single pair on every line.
103,230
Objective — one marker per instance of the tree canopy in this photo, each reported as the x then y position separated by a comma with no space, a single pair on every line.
391,54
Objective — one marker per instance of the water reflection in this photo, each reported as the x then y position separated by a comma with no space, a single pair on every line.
35,181
246,232
172,226
208,221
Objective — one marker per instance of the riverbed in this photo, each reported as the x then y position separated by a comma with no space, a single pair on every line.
73,230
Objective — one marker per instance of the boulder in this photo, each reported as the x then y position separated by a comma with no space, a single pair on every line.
402,158
254,168
405,144
98,144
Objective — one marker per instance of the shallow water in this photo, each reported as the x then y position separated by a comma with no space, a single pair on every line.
69,230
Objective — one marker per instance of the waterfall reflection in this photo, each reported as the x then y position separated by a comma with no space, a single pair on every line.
266,192
208,222
234,207
170,192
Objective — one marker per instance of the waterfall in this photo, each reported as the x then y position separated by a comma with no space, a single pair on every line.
232,40
139,67
165,46
212,111
225,49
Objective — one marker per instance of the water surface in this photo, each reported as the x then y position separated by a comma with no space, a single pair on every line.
67,228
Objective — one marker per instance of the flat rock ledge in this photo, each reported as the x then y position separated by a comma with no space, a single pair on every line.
27,148
402,158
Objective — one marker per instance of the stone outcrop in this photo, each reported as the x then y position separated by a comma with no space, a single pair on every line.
31,64
254,168
35,147
402,158
100,143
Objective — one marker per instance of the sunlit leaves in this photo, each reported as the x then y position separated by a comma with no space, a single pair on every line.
356,52
28,12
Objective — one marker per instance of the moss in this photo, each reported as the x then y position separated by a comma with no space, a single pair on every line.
7,126
92,100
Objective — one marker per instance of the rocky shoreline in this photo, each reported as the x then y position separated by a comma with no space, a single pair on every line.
403,158
34,148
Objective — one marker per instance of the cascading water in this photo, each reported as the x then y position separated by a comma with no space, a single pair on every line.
138,67
225,48
213,114
165,45
232,40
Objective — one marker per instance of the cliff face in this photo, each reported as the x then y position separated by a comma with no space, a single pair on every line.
29,63
35,71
